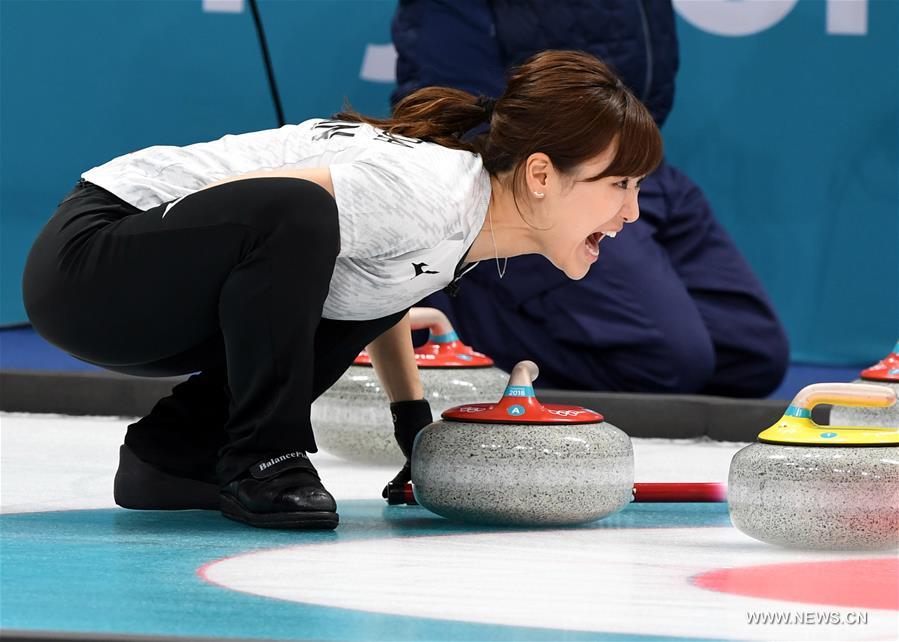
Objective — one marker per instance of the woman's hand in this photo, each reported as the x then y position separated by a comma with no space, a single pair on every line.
393,358
409,418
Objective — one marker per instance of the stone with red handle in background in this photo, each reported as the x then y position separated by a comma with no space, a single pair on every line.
883,373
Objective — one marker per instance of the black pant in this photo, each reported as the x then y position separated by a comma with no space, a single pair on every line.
229,282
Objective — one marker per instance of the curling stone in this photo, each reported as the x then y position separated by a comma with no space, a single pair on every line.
820,487
352,419
520,463
884,373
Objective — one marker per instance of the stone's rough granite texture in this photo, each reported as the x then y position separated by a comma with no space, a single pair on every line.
352,419
865,415
523,475
817,497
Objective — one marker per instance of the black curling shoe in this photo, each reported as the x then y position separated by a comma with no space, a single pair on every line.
143,486
281,492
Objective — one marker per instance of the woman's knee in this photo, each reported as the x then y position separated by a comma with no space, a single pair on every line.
754,368
770,367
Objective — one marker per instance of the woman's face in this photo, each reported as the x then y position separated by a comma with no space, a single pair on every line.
577,210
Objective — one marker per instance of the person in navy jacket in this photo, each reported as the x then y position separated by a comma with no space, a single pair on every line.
673,307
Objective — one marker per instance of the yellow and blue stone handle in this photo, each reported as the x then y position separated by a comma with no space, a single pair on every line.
797,427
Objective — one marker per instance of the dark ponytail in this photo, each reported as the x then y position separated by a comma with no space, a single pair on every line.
565,104
437,114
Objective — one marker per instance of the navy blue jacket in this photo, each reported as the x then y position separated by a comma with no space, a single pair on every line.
636,37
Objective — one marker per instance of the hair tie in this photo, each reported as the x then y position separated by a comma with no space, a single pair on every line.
487,104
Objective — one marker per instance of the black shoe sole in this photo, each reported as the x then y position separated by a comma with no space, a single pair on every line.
307,520
141,486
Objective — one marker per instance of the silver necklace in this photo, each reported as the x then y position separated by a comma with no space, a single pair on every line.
501,272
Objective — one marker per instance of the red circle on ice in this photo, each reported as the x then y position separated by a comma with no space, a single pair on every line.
859,583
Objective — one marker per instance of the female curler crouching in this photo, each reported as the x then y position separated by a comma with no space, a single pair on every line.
264,262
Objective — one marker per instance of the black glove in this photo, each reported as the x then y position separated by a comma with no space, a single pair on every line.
409,417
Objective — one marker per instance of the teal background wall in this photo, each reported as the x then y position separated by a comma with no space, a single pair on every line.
792,131
84,81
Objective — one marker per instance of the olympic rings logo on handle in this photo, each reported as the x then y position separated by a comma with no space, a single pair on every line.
566,413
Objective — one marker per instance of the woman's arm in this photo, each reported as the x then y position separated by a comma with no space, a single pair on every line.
319,175
393,358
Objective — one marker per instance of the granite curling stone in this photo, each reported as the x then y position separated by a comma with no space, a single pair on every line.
883,373
352,419
519,463
820,487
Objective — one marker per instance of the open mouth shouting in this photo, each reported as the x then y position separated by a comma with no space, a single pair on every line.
591,244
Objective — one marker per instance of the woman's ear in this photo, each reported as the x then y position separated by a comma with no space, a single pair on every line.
538,170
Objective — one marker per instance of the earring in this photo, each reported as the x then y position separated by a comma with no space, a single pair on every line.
539,194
